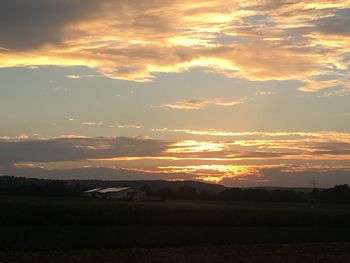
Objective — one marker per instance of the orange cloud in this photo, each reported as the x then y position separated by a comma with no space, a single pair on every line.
319,85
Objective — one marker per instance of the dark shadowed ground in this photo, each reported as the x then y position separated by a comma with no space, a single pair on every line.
308,252
78,230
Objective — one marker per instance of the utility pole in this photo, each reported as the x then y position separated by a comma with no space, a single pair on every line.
314,184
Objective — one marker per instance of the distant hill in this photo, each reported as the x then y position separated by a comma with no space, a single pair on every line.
153,184
272,188
11,181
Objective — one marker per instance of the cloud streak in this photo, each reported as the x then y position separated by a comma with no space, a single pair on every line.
199,104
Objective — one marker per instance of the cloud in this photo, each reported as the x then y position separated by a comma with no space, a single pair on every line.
246,156
325,135
71,148
129,126
336,24
28,25
319,85
120,126
134,40
278,176
198,104
272,176
96,173
80,76
264,93
92,123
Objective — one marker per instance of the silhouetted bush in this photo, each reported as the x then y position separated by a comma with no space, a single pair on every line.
166,193
339,194
23,186
187,193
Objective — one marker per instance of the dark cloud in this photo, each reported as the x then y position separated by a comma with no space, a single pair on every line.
332,148
32,23
74,149
332,152
182,160
324,177
339,24
274,4
280,177
268,177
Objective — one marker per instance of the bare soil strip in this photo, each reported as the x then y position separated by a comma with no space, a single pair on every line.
308,252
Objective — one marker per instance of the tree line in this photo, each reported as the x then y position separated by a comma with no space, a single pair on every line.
338,194
21,186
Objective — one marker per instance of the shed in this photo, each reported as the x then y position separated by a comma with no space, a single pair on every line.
91,192
117,193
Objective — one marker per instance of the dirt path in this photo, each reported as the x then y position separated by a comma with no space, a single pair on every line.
310,253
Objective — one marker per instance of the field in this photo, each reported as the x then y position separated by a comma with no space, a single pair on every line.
253,253
33,224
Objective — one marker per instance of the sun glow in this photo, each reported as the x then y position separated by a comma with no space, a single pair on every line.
213,172
196,147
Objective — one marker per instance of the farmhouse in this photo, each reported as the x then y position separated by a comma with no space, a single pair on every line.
117,193
91,192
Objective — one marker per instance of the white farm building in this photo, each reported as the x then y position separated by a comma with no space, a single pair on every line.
117,193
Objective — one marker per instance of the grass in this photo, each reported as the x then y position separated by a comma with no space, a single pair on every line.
109,237
63,223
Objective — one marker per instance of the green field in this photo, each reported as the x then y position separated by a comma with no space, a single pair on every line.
28,223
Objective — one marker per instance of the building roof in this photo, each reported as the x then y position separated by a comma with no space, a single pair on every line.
93,190
112,190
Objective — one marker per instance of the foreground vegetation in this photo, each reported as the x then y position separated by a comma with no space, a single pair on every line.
43,223
252,253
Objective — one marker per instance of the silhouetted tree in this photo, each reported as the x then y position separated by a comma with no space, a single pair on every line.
205,195
187,192
338,194
166,193
146,189
231,194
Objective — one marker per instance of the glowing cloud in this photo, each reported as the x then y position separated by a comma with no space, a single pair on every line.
133,40
249,156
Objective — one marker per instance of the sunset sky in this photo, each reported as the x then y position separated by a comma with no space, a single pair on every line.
241,93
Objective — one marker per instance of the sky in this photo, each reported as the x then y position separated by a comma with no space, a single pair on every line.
240,93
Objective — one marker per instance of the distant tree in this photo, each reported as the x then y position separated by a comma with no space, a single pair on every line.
166,193
146,189
315,194
187,192
338,194
231,194
256,195
41,187
284,196
205,195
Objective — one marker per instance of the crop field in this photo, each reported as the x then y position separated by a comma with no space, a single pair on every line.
40,224
252,253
